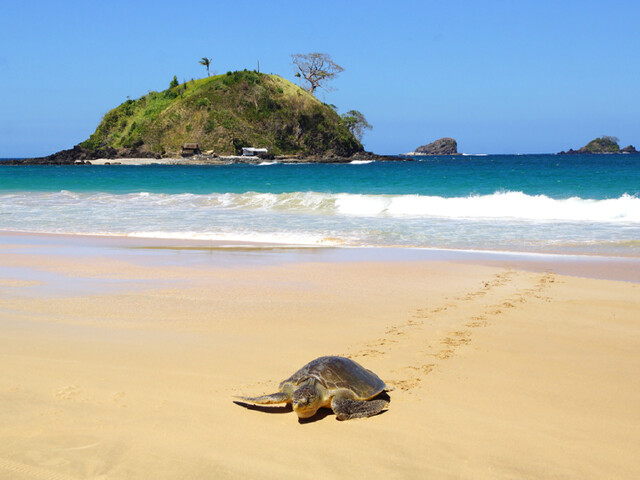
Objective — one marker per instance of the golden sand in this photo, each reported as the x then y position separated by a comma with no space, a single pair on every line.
498,373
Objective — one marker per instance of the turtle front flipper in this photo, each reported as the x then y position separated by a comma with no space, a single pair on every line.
347,408
279,397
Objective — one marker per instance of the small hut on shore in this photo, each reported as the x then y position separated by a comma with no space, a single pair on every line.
190,149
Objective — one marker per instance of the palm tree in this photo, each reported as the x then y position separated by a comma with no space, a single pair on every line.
206,62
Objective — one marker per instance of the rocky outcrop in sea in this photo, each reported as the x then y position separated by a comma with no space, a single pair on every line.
81,155
442,146
601,145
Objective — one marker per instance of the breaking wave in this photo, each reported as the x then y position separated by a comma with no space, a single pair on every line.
499,205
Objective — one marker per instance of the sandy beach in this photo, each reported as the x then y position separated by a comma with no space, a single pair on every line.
122,363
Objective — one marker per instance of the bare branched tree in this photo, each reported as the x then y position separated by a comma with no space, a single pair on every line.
316,69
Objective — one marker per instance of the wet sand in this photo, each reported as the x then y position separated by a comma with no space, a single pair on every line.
119,359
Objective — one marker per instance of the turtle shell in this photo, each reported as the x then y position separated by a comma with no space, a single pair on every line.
339,372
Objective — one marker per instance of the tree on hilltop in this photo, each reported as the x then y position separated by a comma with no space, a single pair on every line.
316,69
609,139
206,62
356,123
603,144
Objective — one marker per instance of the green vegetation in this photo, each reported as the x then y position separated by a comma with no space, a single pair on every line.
355,122
224,113
604,144
206,62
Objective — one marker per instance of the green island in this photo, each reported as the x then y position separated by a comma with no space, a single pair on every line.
225,113
601,145
242,116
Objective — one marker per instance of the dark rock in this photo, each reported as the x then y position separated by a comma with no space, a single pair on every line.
442,146
601,145
81,156
332,158
571,151
376,158
629,149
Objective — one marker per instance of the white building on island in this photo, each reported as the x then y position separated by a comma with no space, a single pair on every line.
251,151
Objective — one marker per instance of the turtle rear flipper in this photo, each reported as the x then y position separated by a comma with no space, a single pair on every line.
346,408
279,397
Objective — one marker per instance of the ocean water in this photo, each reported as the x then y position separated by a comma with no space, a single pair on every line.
582,204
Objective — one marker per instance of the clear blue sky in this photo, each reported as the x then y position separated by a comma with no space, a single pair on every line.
499,76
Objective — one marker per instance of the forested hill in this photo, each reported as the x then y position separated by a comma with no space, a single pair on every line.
224,113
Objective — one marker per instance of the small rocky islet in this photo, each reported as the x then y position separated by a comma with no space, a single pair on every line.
605,144
442,146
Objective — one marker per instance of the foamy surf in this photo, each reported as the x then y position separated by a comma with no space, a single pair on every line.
503,220
537,203
270,238
499,205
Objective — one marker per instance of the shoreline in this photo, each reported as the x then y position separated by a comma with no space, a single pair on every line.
79,156
229,159
604,267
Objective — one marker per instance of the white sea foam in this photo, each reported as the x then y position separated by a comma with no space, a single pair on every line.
500,205
272,238
500,221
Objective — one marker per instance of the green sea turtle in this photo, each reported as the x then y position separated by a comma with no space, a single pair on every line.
336,382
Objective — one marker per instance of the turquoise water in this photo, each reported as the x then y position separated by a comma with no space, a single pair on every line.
542,203
586,176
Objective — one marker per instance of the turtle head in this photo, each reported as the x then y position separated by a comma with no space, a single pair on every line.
306,401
